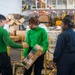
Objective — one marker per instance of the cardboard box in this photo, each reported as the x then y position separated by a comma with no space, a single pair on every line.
21,20
20,33
14,27
15,38
10,16
17,16
12,33
17,23
11,22
44,18
32,56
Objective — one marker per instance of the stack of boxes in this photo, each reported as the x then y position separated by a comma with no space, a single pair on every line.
15,33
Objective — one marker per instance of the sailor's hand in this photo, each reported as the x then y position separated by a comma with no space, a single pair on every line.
25,45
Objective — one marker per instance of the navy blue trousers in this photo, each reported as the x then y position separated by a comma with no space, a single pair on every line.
5,64
66,64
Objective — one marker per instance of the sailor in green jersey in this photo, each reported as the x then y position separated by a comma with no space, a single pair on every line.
36,35
5,64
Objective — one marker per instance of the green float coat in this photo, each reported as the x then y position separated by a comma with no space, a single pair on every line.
36,36
6,41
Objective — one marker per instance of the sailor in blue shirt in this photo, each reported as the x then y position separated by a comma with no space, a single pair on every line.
64,54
